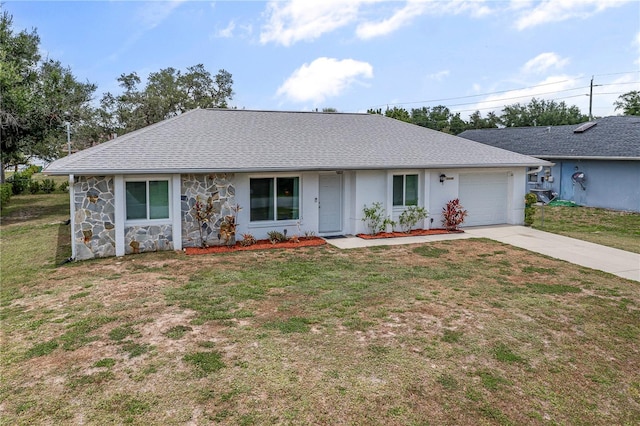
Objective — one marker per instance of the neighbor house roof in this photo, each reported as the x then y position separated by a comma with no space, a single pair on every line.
603,138
228,140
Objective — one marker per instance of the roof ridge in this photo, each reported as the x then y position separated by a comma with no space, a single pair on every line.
285,111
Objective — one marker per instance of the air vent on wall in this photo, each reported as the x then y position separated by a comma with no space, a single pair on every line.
584,127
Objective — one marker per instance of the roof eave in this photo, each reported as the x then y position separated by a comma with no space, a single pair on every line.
585,157
106,172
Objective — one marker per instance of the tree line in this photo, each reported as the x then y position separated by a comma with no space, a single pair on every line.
538,112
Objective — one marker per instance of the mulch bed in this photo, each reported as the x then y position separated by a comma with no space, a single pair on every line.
259,245
413,233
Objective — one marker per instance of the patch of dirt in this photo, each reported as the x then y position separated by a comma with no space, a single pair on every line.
412,233
259,245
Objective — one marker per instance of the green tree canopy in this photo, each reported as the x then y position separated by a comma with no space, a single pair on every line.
37,97
629,103
541,113
167,93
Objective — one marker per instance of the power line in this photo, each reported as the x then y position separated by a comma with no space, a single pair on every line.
474,96
513,90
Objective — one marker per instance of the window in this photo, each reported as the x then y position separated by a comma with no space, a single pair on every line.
405,190
147,200
275,198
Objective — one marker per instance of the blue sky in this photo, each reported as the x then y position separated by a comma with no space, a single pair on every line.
356,54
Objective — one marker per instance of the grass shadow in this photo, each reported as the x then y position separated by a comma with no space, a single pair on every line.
63,245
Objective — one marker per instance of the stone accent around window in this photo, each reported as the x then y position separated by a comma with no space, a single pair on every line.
94,217
141,239
221,187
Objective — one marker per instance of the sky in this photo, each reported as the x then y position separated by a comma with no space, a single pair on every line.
353,55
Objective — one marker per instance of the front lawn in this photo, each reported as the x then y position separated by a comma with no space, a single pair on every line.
607,227
455,332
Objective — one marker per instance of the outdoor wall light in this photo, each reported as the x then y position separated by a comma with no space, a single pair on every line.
444,177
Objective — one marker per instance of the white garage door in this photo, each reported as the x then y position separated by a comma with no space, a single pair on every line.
484,196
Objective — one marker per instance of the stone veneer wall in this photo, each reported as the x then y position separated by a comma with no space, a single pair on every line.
94,217
140,239
219,186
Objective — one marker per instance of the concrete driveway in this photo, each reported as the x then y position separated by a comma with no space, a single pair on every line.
618,262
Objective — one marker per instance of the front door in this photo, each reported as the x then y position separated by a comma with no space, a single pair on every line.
330,203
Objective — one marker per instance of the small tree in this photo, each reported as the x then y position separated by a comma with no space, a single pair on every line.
453,215
375,217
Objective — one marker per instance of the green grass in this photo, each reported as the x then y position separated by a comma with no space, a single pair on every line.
206,362
607,227
455,332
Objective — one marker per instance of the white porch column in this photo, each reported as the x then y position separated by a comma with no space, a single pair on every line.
176,208
119,200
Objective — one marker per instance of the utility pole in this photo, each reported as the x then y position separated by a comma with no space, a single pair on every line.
68,137
591,100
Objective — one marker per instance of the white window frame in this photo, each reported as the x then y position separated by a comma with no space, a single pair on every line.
147,221
404,189
267,223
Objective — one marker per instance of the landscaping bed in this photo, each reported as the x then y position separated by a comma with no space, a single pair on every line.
412,233
259,245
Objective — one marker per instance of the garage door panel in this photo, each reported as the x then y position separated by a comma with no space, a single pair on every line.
484,196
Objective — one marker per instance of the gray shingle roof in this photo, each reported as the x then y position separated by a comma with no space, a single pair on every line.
611,137
221,140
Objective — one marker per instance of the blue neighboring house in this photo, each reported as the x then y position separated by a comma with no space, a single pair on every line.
596,164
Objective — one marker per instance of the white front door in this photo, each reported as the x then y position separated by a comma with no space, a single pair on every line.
330,203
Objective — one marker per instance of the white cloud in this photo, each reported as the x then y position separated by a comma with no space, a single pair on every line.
227,32
323,78
296,20
153,14
636,42
288,22
544,62
561,10
149,16
400,18
438,76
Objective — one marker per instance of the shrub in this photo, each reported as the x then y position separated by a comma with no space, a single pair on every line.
375,217
20,182
276,237
453,215
5,194
48,186
34,186
529,200
411,216
247,240
64,186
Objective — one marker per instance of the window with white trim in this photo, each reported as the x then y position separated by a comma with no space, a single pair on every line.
405,190
274,198
147,199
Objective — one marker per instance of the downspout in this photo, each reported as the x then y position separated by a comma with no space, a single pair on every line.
538,170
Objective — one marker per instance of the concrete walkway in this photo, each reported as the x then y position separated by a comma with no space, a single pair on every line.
618,262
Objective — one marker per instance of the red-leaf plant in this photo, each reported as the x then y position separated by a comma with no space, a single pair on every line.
453,215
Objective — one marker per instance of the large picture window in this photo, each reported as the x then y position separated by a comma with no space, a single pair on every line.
275,198
147,200
405,190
